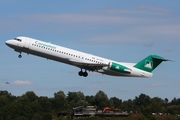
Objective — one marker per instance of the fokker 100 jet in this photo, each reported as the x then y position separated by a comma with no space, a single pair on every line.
84,61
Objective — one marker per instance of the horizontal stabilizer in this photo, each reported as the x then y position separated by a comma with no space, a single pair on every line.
160,58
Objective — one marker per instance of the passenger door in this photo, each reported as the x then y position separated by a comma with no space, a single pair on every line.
26,44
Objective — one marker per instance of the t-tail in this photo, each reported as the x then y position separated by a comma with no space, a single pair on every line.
150,63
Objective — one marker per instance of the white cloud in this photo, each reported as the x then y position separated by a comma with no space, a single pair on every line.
2,85
155,85
144,23
178,95
20,82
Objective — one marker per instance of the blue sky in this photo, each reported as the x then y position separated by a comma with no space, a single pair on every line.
125,31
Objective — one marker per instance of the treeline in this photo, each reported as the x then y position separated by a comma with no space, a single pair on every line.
29,106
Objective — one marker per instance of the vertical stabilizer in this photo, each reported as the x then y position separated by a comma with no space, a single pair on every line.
150,63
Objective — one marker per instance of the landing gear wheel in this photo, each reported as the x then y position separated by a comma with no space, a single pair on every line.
80,73
85,74
20,56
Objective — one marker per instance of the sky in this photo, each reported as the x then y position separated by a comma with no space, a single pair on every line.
124,31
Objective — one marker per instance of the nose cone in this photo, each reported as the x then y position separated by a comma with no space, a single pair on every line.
10,43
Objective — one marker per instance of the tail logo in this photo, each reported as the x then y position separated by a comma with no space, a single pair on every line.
148,64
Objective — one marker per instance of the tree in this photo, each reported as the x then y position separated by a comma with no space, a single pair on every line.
80,98
128,105
44,104
141,103
101,99
90,100
60,95
173,109
76,99
142,100
4,93
31,96
59,101
175,101
156,105
166,101
116,102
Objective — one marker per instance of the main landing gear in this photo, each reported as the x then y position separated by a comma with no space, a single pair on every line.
84,74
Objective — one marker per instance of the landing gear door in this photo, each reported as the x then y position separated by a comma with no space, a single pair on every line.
26,43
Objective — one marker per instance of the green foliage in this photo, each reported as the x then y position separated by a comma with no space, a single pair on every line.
76,99
29,106
91,100
117,103
101,99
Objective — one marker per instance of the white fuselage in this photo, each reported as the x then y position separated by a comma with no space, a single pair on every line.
72,57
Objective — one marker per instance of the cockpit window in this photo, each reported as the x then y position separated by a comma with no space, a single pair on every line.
18,39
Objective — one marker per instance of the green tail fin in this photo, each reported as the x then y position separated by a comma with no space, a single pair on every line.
150,63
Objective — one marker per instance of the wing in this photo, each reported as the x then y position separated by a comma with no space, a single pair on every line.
87,66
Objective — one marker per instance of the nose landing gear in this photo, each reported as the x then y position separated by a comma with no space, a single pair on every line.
20,56
84,74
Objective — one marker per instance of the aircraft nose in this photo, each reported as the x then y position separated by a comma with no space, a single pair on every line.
9,43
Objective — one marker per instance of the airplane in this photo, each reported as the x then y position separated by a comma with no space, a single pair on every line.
84,61
7,82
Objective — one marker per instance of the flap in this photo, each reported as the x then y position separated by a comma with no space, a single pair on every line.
88,66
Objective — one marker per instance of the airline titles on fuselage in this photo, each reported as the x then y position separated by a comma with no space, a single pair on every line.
54,48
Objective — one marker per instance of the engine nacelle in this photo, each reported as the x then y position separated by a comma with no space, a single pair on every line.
119,68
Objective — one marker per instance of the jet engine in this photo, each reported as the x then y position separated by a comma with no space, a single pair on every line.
119,68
